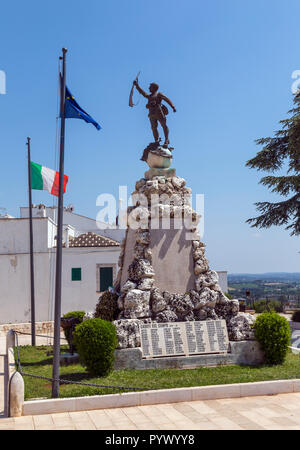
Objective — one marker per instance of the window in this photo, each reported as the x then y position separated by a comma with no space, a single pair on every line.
76,274
106,278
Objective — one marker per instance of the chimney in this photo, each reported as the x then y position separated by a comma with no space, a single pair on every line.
66,236
41,211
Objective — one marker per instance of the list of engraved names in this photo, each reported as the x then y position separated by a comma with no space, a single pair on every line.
184,338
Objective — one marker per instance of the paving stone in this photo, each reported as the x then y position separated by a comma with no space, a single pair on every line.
172,413
100,419
224,423
259,419
155,415
190,413
44,420
284,421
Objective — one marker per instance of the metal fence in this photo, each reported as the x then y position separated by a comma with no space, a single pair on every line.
60,380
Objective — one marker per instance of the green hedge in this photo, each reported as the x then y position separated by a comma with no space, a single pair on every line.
107,306
273,333
96,340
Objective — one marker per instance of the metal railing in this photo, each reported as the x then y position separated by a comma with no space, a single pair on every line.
61,380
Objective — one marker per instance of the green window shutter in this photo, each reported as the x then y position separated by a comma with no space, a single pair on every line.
106,278
76,274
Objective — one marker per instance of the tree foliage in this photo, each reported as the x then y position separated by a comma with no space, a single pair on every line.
283,148
107,306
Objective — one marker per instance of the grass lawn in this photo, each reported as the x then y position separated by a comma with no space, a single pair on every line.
34,360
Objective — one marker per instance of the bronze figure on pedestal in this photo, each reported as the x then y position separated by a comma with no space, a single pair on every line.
157,111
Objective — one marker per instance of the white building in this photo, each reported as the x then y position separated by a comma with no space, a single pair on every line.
90,263
81,224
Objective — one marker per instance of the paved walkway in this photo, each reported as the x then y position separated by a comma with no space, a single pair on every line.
276,412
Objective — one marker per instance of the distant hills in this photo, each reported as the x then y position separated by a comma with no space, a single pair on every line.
268,277
277,285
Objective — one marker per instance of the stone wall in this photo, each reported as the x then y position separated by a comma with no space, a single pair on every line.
44,328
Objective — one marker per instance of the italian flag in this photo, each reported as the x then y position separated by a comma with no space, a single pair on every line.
43,178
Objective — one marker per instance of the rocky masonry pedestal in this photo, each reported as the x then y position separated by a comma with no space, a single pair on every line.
164,274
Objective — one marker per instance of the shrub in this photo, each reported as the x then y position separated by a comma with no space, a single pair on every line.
296,316
76,314
273,333
229,296
267,306
107,306
96,340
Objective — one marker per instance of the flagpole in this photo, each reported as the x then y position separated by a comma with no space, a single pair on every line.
57,310
31,248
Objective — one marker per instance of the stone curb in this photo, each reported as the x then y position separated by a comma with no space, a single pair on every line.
161,396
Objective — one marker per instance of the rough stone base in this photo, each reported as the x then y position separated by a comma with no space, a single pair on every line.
242,352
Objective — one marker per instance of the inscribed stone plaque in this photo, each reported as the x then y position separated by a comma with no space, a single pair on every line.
183,338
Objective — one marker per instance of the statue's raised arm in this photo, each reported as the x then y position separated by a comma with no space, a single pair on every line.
140,90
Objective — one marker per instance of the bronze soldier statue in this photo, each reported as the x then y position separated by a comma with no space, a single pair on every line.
157,111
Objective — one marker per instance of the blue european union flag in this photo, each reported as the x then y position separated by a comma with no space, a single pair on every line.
74,111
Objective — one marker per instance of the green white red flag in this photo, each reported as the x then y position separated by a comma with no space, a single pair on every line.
43,178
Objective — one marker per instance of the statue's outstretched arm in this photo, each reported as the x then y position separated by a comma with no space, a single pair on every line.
140,90
166,99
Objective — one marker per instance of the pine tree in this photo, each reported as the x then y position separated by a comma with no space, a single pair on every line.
277,151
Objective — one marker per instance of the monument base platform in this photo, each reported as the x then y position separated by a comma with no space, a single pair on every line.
241,352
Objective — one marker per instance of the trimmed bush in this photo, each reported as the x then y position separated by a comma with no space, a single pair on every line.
107,307
76,314
296,316
273,333
267,306
96,340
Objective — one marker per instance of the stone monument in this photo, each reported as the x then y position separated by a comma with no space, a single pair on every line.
164,275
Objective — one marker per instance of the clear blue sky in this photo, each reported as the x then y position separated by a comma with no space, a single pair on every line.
226,65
